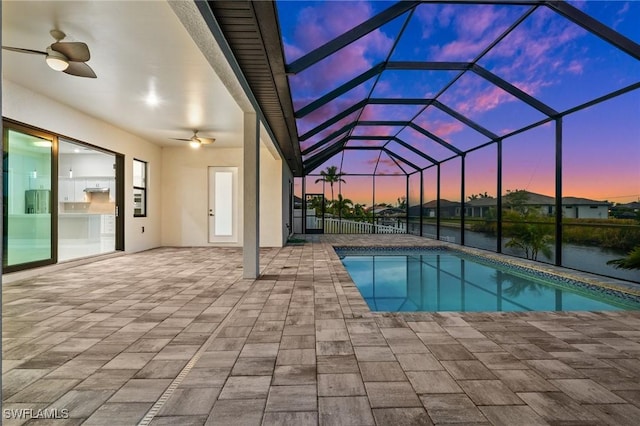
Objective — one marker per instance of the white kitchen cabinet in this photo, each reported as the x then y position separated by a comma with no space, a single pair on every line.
108,224
97,183
72,190
65,191
79,185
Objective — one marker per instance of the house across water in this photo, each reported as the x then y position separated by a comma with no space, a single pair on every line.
573,207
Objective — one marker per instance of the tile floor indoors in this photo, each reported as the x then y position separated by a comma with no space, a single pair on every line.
176,336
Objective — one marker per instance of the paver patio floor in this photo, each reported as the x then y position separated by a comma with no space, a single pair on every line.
176,336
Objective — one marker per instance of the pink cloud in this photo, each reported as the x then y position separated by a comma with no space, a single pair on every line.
533,57
532,87
390,112
538,49
621,15
481,20
575,67
359,161
384,88
475,28
329,130
438,126
448,128
319,24
446,15
426,14
485,100
325,112
292,51
385,164
376,130
366,143
459,50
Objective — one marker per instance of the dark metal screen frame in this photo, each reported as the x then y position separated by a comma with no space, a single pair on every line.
324,149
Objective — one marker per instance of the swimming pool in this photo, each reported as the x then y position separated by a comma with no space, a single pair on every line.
436,280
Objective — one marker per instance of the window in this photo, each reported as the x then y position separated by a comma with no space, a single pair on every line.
139,188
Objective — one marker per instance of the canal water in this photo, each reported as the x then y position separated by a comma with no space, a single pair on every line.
584,258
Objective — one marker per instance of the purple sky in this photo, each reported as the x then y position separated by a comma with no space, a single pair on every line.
547,56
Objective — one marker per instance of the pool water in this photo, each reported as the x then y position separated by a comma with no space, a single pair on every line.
443,280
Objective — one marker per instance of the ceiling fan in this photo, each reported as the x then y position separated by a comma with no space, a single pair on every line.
66,56
196,141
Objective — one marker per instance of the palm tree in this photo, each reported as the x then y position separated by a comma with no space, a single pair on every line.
331,176
632,261
342,206
402,202
359,210
479,195
532,238
316,204
361,214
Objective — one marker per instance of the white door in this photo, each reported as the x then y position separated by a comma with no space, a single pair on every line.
223,204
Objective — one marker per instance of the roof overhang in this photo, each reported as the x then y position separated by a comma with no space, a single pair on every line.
252,32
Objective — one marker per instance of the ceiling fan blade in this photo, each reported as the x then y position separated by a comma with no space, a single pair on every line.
20,50
74,50
80,69
181,139
206,141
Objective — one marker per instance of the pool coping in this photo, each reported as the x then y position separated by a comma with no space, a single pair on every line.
610,287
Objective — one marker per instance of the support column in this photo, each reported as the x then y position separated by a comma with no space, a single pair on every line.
421,199
438,204
558,191
462,197
304,204
499,199
373,208
251,197
406,207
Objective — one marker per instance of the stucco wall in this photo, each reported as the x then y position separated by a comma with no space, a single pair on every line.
185,195
177,176
586,212
23,105
272,198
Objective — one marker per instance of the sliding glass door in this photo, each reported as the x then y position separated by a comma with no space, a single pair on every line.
86,201
61,199
28,206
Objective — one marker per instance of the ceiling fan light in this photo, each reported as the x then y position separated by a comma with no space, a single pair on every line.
56,60
195,144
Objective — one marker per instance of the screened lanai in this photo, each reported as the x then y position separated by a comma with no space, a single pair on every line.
510,126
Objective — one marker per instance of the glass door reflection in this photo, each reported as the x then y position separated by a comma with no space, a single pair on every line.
28,208
86,201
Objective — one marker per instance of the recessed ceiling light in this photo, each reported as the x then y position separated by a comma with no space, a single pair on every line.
76,150
152,99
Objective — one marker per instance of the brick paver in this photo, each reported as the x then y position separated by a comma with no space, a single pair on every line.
176,335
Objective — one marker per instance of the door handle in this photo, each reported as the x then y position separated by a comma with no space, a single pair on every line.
211,212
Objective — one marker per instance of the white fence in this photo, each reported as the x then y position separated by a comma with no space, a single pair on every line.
337,226
344,226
